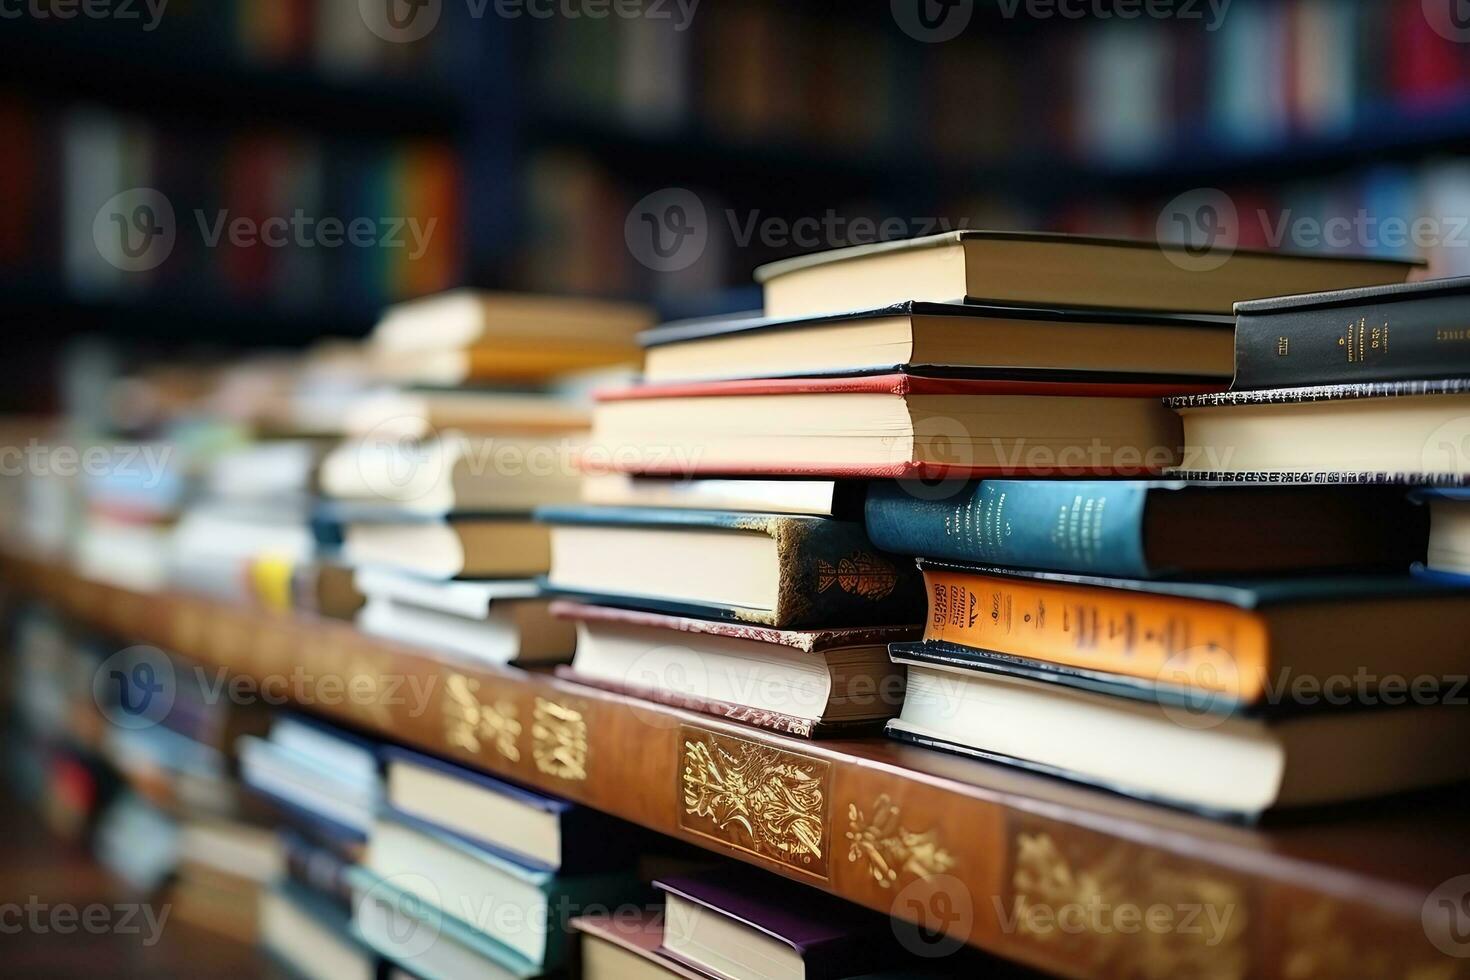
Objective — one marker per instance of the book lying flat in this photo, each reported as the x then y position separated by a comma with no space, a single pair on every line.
1449,530
817,498
1240,643
1183,754
311,937
892,425
1042,269
944,338
736,923
1148,529
530,828
1398,432
805,683
1400,332
501,621
507,545
626,947
775,570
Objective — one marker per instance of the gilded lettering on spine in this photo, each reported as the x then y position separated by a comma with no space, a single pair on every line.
559,740
472,724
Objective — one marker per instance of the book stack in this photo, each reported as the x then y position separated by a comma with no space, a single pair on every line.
1240,638
720,559
434,488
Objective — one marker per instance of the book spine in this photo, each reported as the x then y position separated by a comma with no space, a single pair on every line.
1401,341
1092,527
933,846
1209,647
832,576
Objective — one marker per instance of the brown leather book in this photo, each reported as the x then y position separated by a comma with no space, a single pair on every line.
1064,878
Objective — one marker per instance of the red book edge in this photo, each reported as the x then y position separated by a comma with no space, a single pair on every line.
901,384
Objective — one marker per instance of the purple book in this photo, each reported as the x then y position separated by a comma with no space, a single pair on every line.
780,928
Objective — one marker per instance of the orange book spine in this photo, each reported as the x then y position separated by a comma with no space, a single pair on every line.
1179,642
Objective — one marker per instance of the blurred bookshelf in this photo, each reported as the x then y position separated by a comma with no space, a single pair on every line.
530,139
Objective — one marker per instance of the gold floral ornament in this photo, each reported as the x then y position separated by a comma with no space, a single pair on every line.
559,740
756,798
470,723
890,849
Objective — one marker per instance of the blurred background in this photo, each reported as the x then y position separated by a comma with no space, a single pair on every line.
510,143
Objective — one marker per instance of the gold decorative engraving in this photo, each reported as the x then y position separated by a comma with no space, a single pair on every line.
1322,941
861,574
364,684
758,799
470,723
559,740
890,849
1114,908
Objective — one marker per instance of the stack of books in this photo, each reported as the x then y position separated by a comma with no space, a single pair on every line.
434,488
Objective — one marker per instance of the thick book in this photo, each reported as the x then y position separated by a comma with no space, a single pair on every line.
1237,765
533,829
735,923
458,546
807,683
1042,269
1408,432
311,937
626,946
1401,332
1147,529
777,570
1235,643
888,820
967,339
890,425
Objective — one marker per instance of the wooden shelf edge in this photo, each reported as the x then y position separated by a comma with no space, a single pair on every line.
1054,876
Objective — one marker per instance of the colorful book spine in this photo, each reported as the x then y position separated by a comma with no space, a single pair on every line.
1095,527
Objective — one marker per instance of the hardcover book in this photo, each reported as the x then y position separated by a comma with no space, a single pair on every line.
807,683
1395,432
1239,644
892,425
533,829
782,571
1148,529
1045,270
1183,753
725,922
1401,332
945,338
